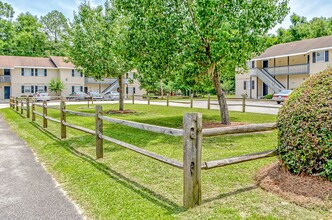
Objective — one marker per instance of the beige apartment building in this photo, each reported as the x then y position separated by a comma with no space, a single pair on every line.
29,75
284,66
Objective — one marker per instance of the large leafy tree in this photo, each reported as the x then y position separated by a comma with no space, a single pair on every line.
6,28
30,40
213,37
55,26
97,43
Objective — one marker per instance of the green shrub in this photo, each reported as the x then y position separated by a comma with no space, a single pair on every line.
305,127
268,96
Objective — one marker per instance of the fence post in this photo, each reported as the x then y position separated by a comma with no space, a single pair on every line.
13,103
191,100
133,99
28,107
33,108
99,131
192,155
209,102
16,104
10,102
44,114
148,99
22,106
63,119
167,101
243,103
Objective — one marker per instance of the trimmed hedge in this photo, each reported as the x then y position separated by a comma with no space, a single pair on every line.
305,127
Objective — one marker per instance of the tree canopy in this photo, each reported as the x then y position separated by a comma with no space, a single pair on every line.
200,37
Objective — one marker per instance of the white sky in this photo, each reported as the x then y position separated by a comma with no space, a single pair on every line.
307,8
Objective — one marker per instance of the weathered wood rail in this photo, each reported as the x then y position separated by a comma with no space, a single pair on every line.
192,134
190,103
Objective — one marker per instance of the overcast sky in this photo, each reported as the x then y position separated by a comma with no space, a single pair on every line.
307,8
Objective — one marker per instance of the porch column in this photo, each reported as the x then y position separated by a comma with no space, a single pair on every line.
287,81
250,96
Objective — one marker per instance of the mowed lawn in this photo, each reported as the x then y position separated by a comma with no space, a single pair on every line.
126,185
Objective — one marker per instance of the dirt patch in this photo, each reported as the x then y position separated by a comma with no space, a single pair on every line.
218,124
302,190
120,112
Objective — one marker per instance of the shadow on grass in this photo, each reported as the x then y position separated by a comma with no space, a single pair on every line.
144,192
225,195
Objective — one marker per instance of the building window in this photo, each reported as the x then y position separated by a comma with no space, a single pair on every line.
40,72
244,85
27,89
252,64
27,72
134,90
75,73
320,56
252,84
76,89
41,88
6,72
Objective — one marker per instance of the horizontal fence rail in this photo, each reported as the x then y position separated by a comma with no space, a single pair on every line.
239,129
155,156
80,113
234,160
146,127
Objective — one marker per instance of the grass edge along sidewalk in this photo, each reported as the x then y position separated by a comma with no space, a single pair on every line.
149,211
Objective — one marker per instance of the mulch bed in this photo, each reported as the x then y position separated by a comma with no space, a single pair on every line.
302,190
120,112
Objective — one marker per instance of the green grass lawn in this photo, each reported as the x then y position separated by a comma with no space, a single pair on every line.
126,185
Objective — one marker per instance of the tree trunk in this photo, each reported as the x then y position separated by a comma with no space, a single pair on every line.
121,91
161,89
221,99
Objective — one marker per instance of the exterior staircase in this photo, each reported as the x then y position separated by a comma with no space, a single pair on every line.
268,79
111,87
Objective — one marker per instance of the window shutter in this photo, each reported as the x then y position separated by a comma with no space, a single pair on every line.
326,56
81,74
252,84
134,90
45,88
72,73
314,57
72,89
22,89
32,89
22,72
45,72
244,85
36,72
81,88
31,72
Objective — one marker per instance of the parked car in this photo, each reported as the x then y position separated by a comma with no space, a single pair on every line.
96,95
41,96
112,95
282,96
78,96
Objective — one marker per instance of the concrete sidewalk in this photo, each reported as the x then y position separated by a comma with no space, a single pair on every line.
27,191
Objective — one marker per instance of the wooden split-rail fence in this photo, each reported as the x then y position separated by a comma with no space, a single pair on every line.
190,104
192,134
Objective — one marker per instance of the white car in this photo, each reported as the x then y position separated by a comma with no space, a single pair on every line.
112,95
96,95
282,96
42,96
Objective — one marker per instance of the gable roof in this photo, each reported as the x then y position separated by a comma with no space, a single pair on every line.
296,48
62,62
18,61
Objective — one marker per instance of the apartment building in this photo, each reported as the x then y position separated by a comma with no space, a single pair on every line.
284,66
28,75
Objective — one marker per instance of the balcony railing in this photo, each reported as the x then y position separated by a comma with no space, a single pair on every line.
288,70
103,81
5,79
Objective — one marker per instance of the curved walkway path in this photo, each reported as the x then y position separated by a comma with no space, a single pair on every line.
27,191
